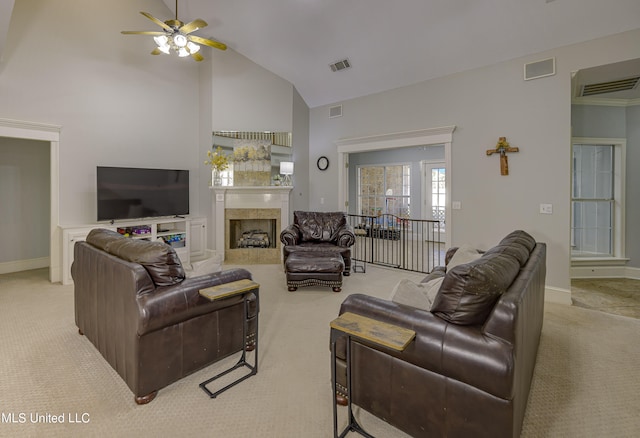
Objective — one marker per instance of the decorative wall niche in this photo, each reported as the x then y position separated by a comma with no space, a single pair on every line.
255,156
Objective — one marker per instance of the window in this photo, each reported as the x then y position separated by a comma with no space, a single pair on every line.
597,201
384,190
438,197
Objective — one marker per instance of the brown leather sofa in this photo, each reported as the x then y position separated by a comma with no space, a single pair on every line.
133,303
468,372
319,232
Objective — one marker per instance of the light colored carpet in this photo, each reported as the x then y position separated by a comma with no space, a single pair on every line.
586,384
620,296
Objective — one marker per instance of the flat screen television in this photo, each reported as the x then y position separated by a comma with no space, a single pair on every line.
133,193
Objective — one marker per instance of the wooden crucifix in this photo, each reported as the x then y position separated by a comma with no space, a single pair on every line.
502,147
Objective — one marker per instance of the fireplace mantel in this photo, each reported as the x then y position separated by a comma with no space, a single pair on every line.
247,197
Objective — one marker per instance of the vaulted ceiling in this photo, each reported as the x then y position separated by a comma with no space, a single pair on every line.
389,44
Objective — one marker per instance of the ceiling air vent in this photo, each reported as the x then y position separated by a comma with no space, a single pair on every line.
610,87
340,65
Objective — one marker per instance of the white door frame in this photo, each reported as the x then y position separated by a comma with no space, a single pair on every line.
423,137
51,133
425,181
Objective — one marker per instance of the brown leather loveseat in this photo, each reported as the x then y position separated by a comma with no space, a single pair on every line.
468,372
319,232
133,303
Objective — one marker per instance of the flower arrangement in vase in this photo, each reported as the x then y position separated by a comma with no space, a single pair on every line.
218,161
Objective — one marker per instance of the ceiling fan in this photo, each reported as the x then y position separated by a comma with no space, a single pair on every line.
177,36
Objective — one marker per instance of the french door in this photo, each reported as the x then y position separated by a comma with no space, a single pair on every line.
434,194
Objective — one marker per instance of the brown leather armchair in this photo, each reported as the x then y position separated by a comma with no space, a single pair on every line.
133,302
319,232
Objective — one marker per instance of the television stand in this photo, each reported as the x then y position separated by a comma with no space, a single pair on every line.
187,236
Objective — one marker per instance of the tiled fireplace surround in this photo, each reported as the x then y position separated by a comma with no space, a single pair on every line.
243,203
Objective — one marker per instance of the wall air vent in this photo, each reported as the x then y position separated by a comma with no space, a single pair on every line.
610,87
540,69
340,65
335,111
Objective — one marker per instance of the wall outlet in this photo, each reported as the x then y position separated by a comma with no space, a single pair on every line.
546,208
321,201
456,205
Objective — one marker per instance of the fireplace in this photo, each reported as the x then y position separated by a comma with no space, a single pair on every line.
251,219
252,236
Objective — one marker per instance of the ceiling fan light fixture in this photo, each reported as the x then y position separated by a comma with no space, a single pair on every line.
192,47
161,40
180,40
165,49
177,37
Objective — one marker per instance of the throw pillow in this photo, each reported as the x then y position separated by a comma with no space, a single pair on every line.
464,254
469,291
521,237
101,238
204,267
159,259
515,249
438,271
419,295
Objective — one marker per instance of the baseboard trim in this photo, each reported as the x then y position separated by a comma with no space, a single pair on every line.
23,265
632,273
557,295
605,272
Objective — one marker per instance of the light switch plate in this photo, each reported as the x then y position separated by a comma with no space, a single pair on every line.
546,208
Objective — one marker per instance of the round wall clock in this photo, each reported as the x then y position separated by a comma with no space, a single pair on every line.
323,163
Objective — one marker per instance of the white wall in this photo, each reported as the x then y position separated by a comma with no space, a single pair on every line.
485,104
633,186
65,63
247,97
205,131
300,140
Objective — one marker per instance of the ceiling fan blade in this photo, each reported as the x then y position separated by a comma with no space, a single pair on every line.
207,42
197,56
165,26
143,32
193,26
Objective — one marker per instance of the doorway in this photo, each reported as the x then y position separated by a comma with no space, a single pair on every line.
606,112
51,134
425,137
